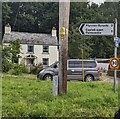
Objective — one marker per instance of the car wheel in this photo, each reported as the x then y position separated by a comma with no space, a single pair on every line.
48,77
89,78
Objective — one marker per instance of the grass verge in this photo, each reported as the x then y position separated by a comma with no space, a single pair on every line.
24,96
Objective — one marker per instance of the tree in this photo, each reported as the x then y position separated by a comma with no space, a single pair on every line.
40,17
94,46
6,59
10,54
15,50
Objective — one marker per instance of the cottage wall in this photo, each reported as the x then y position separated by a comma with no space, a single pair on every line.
38,53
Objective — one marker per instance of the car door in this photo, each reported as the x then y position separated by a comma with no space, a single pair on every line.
74,70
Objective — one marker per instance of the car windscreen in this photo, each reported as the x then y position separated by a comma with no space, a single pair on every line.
80,64
52,65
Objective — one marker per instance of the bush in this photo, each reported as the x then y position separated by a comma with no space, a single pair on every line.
24,69
6,65
16,69
36,69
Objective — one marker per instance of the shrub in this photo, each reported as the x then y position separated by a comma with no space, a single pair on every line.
36,69
6,65
16,69
24,69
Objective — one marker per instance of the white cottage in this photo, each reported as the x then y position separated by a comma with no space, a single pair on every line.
35,48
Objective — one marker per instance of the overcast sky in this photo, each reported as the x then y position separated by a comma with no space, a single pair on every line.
97,1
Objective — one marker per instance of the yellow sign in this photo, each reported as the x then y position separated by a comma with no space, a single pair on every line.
62,32
114,63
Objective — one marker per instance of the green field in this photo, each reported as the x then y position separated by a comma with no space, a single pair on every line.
24,96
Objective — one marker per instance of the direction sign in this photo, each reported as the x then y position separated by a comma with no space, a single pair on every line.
97,29
114,63
117,41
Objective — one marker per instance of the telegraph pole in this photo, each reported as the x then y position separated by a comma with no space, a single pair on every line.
64,8
115,55
1,60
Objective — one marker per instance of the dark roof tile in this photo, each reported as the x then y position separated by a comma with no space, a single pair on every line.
31,38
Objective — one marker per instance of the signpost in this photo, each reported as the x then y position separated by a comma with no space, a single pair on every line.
117,41
115,55
104,29
97,29
114,63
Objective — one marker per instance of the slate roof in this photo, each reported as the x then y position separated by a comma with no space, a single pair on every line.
31,38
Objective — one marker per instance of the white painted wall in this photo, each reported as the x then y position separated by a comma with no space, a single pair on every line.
54,54
38,52
23,53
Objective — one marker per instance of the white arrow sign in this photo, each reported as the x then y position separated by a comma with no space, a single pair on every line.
97,29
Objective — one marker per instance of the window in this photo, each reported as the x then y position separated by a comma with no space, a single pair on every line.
78,64
45,49
75,64
30,48
45,61
90,64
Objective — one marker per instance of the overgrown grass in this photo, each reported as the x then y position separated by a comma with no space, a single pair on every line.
24,96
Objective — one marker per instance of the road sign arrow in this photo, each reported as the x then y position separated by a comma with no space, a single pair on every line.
81,29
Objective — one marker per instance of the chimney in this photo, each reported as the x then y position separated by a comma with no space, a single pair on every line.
7,29
54,32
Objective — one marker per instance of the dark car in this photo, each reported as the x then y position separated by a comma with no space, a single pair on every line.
75,70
